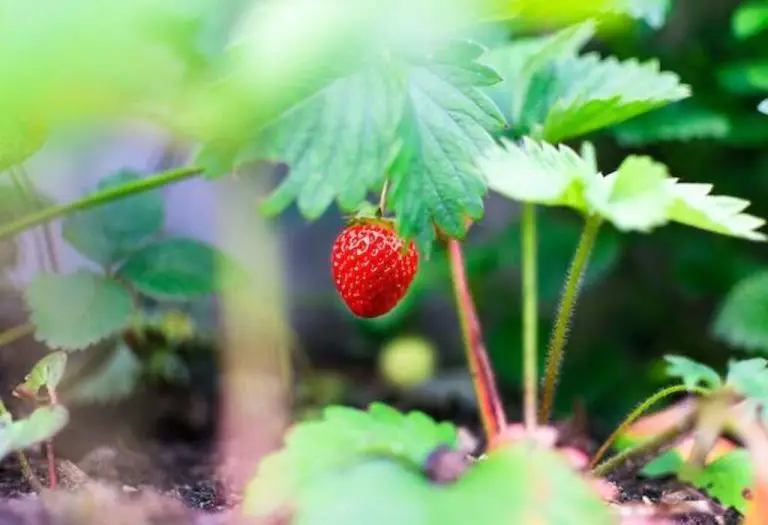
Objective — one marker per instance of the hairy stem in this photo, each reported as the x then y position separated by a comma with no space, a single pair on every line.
639,411
489,401
530,315
96,199
16,333
565,312
651,448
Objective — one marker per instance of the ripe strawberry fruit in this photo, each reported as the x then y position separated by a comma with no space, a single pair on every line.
371,269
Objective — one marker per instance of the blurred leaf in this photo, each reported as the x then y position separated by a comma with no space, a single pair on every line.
653,12
115,379
750,19
376,459
46,373
41,425
20,138
745,77
692,373
680,121
178,269
667,464
343,438
763,107
749,377
634,198
107,233
728,478
166,365
337,143
76,310
742,320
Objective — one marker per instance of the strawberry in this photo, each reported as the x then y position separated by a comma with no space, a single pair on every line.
371,268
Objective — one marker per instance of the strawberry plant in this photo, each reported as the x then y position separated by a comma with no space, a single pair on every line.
395,103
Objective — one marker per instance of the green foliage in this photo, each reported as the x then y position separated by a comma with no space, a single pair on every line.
114,379
106,234
552,93
727,478
342,438
692,373
41,425
74,311
639,196
678,122
742,320
750,19
423,117
375,460
178,269
47,373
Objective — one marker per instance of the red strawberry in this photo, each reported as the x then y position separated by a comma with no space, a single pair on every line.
371,269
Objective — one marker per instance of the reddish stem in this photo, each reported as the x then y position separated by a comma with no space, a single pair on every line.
50,455
489,401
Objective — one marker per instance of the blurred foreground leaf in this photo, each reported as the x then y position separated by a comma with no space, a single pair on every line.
742,320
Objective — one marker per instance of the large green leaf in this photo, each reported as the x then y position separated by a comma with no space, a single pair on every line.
107,233
178,269
377,460
445,128
422,111
76,310
338,143
742,320
681,122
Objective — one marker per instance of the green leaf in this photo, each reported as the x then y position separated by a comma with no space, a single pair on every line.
742,320
109,232
341,439
763,107
446,126
337,143
653,12
678,122
749,377
667,464
538,172
115,379
178,269
74,311
19,139
46,373
596,93
750,19
728,478
692,373
634,198
376,461
694,206
41,425
526,67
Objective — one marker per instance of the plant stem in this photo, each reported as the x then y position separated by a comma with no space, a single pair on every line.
565,312
650,448
16,333
49,246
97,198
639,411
26,469
530,315
489,401
50,455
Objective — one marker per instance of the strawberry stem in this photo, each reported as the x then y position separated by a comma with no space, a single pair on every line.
530,316
383,199
489,401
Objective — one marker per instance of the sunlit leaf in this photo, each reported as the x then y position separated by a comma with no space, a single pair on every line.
750,19
692,373
728,479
